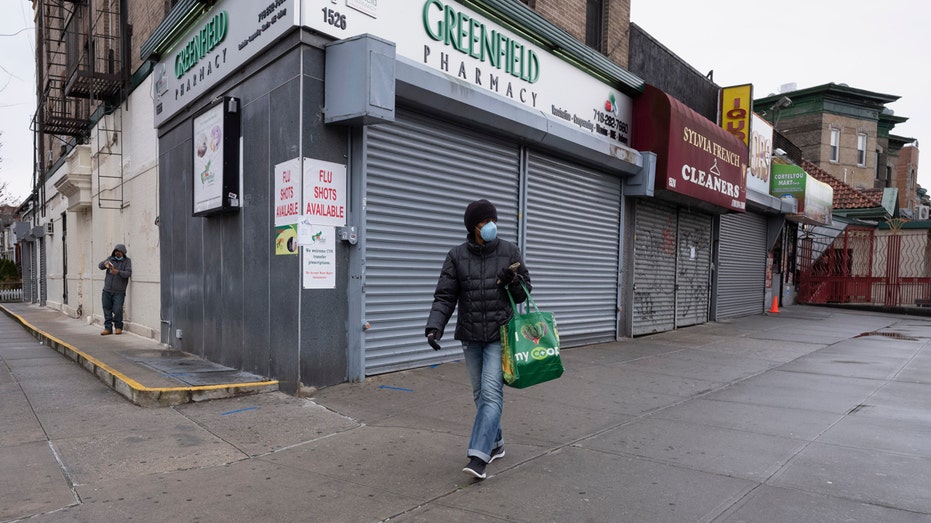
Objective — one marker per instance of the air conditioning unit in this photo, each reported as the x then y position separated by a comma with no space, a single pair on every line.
50,228
924,212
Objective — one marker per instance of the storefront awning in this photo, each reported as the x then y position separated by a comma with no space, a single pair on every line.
696,159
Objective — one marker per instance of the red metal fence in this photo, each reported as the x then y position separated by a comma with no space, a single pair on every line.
887,267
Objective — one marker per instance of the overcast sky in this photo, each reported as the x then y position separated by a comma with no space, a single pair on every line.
883,47
878,46
17,94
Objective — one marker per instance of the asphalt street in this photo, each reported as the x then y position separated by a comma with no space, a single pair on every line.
809,415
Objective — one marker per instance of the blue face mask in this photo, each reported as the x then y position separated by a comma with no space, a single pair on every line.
118,258
489,231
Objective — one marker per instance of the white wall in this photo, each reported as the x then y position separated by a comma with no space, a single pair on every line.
122,161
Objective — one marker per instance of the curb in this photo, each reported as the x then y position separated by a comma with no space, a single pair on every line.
134,391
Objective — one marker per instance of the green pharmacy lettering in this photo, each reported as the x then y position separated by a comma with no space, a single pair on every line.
472,37
204,41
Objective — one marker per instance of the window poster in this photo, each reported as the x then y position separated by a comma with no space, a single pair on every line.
208,160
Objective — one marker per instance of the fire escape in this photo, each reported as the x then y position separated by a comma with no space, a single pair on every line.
81,69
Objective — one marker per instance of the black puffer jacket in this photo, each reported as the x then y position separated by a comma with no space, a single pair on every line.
469,278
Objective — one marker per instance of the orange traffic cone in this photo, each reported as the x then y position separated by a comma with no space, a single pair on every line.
775,307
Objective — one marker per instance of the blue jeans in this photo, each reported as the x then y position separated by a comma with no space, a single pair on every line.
484,364
113,310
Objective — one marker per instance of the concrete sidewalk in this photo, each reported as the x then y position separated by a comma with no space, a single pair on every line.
143,371
809,415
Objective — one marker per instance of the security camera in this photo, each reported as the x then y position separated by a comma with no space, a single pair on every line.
778,152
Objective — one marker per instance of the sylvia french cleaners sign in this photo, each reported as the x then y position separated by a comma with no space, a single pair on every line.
695,157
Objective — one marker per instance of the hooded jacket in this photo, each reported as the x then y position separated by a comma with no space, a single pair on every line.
469,278
117,283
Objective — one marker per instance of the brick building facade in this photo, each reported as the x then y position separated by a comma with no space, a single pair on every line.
835,126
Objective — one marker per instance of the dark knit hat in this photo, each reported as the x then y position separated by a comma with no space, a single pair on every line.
477,212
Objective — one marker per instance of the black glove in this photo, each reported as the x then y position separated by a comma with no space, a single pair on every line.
431,339
506,276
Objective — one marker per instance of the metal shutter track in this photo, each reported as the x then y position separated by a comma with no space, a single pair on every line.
741,265
572,247
420,177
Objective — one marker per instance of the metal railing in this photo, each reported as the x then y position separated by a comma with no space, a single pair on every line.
868,266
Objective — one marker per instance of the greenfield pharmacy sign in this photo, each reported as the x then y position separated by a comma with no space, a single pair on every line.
224,39
448,37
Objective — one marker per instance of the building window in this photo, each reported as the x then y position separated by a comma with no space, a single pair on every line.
835,145
861,149
594,23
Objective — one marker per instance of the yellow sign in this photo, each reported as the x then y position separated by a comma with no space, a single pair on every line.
286,239
736,109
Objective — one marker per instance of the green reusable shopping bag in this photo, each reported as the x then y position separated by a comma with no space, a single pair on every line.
530,347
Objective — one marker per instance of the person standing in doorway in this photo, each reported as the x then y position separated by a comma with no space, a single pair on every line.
119,268
475,276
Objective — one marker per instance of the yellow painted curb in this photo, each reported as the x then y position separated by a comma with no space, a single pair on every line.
80,357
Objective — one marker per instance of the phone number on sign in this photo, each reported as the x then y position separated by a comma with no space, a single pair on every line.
611,122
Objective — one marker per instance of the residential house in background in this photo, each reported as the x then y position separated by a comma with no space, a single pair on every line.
847,133
8,217
906,179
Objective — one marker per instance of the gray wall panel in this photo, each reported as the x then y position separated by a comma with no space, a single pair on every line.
181,287
230,286
258,232
660,67
194,267
235,300
208,258
323,356
284,271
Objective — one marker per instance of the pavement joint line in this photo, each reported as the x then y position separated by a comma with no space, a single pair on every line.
135,385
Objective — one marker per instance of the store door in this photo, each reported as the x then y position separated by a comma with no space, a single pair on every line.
420,175
741,277
572,247
672,267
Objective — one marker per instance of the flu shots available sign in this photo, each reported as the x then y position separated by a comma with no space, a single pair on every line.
288,192
309,203
324,201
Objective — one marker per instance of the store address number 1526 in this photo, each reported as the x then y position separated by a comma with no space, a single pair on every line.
334,18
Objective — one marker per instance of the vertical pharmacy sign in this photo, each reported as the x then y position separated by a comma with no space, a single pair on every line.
324,209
